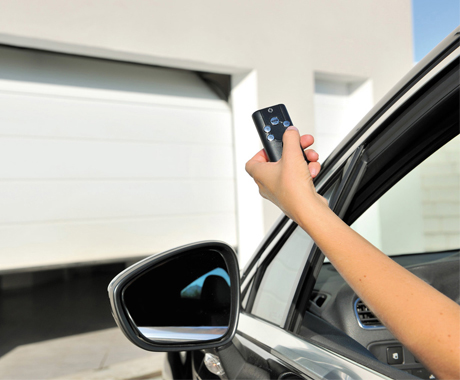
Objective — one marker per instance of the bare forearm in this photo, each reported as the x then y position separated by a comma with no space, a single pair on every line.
424,320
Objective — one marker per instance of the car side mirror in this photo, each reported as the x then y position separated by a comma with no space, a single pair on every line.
183,299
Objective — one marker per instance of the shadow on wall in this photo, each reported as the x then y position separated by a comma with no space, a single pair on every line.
28,65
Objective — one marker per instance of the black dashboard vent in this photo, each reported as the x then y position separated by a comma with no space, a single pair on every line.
365,317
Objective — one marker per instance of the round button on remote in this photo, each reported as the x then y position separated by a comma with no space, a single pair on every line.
274,120
267,128
286,123
270,137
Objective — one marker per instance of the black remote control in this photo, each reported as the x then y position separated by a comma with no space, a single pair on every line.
271,123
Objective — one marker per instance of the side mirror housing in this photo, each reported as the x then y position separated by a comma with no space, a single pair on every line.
183,299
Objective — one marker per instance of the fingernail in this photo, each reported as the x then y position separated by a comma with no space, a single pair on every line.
292,128
313,171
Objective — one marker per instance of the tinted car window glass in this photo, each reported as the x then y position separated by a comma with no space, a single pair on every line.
421,213
281,277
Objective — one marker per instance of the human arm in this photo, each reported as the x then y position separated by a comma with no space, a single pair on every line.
430,324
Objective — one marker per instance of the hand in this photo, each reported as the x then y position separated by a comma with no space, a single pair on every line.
288,183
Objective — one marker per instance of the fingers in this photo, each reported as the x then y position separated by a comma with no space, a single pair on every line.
306,141
314,168
259,158
312,156
291,142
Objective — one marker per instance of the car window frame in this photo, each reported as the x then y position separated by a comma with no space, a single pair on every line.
346,208
380,142
343,178
381,146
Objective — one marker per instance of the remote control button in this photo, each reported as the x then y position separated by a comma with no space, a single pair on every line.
267,128
286,123
270,137
270,110
274,120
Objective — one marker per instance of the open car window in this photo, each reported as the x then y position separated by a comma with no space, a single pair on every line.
417,222
408,205
421,213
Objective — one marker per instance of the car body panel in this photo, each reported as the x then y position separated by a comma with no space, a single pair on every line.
308,359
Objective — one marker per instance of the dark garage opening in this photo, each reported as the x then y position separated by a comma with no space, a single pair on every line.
57,303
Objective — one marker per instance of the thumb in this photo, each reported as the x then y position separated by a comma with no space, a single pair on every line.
291,143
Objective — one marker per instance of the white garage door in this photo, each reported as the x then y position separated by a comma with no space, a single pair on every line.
106,160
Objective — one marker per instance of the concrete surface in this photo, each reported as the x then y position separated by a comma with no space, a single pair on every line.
105,354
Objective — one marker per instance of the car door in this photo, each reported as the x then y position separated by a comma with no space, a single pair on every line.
276,324
261,326
273,284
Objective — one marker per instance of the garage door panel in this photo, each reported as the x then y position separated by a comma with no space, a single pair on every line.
59,158
34,115
43,201
60,70
72,242
106,161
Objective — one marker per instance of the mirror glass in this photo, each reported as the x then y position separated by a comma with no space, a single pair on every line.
183,299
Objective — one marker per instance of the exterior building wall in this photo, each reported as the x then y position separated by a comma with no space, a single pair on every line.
421,213
271,49
440,187
100,163
285,42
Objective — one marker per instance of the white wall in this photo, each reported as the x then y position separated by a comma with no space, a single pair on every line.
282,43
421,213
339,104
440,193
100,161
394,224
401,216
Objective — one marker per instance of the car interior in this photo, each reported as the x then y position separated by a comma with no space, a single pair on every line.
415,223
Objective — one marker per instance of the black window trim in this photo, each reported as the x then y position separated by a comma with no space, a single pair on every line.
378,146
441,94
376,118
351,177
441,56
442,101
